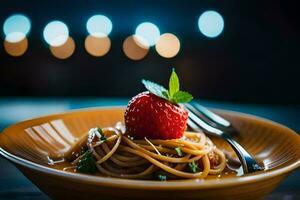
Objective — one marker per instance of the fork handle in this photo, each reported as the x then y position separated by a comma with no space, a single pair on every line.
242,154
248,163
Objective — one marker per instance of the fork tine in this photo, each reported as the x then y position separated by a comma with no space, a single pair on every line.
193,126
199,114
212,116
194,121
197,123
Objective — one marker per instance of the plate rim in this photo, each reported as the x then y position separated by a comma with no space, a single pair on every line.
150,184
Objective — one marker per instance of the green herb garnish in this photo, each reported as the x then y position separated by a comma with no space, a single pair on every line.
83,149
162,177
193,167
103,137
99,130
173,94
178,151
87,164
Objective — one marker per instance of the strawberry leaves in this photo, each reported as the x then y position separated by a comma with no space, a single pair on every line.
173,94
173,83
155,88
182,97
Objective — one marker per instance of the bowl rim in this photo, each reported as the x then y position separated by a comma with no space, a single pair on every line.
150,184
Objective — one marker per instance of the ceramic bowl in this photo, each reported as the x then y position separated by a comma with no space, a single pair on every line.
32,144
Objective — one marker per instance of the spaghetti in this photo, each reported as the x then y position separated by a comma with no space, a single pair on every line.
116,154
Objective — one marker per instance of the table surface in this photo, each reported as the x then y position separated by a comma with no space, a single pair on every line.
14,185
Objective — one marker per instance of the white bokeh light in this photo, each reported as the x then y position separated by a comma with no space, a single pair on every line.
147,33
56,33
211,24
99,26
16,27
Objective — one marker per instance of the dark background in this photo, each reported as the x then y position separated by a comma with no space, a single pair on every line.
255,59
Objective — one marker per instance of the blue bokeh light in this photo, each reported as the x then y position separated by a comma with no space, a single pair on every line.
16,27
211,24
56,33
147,34
99,26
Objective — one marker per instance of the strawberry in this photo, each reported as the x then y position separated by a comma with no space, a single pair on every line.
156,114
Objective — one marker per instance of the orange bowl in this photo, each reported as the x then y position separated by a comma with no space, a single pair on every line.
31,145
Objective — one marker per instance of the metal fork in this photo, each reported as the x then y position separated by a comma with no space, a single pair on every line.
202,119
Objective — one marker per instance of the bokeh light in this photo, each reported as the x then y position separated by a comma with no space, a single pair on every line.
211,24
16,48
97,46
147,33
64,51
15,37
133,49
56,33
168,45
99,26
16,27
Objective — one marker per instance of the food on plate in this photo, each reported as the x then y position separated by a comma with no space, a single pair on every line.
152,144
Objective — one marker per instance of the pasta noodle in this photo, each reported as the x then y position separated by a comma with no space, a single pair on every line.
118,155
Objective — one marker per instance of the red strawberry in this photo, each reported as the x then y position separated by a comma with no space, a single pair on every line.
157,114
148,115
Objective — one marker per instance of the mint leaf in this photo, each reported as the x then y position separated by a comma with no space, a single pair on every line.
173,95
166,94
181,97
156,89
173,83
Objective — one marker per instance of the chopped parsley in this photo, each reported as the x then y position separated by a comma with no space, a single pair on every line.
178,151
103,137
87,164
193,167
162,177
83,149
